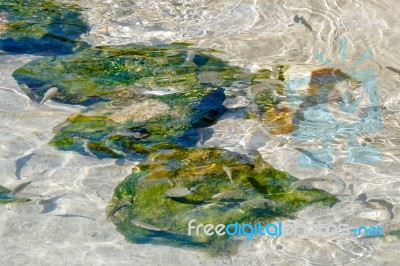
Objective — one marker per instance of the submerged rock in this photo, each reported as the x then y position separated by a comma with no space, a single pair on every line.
137,132
140,111
279,119
117,84
115,72
267,196
40,27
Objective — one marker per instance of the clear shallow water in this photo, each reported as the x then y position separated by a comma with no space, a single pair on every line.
251,34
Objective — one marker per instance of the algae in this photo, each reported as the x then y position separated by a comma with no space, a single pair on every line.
202,170
129,76
103,73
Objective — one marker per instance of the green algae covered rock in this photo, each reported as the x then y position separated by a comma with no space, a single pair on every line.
140,98
6,197
145,125
123,72
223,187
37,26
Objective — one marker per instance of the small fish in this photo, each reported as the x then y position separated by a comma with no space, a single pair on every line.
337,185
362,197
49,93
368,139
146,225
189,58
255,201
351,190
228,171
19,188
159,93
393,69
20,163
188,201
49,204
122,134
34,97
201,140
312,157
178,192
135,134
204,135
122,203
86,148
302,21
74,216
227,194
140,21
382,203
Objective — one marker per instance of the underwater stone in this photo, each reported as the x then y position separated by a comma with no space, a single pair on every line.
170,121
279,119
140,111
201,172
107,73
130,88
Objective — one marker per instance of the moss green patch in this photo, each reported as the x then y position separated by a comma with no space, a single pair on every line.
265,99
281,72
203,171
105,137
104,73
113,80
33,26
